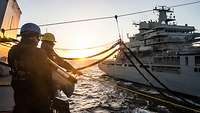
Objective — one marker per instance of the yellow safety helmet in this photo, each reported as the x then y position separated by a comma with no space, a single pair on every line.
48,37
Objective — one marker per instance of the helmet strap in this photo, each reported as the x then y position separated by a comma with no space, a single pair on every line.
31,40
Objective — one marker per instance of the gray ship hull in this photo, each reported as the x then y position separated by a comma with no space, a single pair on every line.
186,83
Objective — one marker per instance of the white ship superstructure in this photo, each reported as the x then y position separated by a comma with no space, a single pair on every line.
168,50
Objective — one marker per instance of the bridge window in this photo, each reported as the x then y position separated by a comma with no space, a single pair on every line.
186,61
197,60
196,69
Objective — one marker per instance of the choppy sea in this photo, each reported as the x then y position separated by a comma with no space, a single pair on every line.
97,93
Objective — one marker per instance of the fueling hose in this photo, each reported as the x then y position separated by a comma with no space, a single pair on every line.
98,60
62,72
113,46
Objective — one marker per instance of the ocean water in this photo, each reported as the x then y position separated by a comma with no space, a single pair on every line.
97,93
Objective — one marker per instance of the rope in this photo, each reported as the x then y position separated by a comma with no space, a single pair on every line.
151,74
113,46
92,64
98,46
118,26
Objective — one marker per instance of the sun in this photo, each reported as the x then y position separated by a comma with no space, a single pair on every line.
79,45
80,51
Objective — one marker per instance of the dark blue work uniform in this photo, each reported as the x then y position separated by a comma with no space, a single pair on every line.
60,105
31,79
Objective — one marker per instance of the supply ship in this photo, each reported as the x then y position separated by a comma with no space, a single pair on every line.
170,51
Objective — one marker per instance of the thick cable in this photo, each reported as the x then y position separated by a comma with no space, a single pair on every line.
101,60
113,46
105,17
72,21
94,47
116,18
139,12
179,5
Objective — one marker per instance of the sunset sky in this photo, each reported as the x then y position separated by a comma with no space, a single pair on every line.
94,33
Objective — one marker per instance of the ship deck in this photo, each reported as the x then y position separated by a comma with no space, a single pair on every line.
6,95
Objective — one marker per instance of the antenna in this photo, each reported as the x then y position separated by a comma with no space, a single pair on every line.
46,30
135,23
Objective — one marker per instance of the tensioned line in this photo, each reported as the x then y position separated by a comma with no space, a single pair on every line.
106,17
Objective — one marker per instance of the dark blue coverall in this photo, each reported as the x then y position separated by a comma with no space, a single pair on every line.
31,79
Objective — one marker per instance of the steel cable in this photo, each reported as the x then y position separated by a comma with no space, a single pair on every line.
106,17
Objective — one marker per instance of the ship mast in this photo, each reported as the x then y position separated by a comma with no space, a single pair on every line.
163,18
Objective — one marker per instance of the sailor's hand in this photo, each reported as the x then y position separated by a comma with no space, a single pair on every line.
72,79
77,72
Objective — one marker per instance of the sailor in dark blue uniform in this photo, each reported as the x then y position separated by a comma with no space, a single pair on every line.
48,41
31,73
